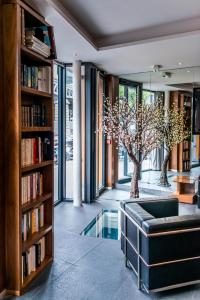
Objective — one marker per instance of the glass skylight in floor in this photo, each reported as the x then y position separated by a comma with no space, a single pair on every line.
106,225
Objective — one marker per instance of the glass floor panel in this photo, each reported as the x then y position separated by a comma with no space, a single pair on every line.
106,225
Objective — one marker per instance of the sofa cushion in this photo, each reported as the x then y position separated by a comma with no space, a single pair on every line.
171,223
137,213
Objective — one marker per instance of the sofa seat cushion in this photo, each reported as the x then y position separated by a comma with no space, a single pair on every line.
137,213
171,223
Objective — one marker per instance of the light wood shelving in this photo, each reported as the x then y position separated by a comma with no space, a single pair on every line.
17,95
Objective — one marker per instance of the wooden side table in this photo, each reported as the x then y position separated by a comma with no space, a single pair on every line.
185,188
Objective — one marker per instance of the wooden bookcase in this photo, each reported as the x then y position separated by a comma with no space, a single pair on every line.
15,96
180,155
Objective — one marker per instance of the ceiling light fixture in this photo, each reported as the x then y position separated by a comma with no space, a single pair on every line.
166,74
156,68
180,63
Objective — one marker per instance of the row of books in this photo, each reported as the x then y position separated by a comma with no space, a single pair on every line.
186,155
35,44
186,166
39,38
31,187
33,115
38,78
35,150
186,145
32,258
32,222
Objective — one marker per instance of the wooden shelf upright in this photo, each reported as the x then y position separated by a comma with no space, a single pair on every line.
15,96
180,155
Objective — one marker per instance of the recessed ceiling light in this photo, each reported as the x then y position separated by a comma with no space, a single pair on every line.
188,71
180,63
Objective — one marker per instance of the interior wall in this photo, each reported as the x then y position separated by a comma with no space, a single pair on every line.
2,214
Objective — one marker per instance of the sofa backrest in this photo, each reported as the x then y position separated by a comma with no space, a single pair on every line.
161,208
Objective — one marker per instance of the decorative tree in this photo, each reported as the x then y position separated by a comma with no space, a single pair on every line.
134,127
171,125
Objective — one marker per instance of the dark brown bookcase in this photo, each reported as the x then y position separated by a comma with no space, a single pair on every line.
180,155
15,53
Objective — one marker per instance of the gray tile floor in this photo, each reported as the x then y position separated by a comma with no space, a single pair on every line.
87,268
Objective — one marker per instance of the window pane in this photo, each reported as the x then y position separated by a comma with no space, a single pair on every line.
121,91
125,166
69,133
132,95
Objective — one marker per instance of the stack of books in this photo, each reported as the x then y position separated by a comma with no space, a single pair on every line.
35,150
32,222
33,115
31,187
35,44
33,258
38,78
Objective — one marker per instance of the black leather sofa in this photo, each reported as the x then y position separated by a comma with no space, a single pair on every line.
162,248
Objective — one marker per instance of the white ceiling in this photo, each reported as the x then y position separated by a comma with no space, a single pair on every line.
108,17
79,23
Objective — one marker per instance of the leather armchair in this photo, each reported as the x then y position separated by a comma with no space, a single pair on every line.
162,248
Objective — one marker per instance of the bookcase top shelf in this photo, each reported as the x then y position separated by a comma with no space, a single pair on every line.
33,14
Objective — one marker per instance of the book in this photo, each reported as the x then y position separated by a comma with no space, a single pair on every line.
32,222
33,115
35,150
38,78
32,258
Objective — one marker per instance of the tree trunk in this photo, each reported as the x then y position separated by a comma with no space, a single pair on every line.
163,175
134,182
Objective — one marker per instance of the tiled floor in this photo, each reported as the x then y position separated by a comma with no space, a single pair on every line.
87,268
149,181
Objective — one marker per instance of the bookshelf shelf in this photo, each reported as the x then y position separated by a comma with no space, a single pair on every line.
36,202
33,275
29,126
36,166
35,57
36,129
34,92
36,237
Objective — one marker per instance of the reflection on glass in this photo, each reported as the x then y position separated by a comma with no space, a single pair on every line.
69,133
56,139
125,166
99,137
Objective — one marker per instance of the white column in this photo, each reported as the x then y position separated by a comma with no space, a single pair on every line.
77,155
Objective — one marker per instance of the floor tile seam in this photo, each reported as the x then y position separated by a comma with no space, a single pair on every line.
81,257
